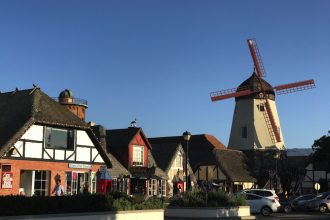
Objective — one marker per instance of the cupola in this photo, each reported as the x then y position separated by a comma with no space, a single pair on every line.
75,105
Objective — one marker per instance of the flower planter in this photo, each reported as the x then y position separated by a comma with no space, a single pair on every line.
239,212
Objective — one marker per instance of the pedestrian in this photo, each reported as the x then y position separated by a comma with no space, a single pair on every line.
86,188
58,189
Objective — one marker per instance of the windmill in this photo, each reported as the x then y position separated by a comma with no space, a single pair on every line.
256,123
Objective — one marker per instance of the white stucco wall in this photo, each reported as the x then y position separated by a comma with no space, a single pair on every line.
247,114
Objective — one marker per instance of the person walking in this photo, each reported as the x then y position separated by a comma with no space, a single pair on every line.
58,189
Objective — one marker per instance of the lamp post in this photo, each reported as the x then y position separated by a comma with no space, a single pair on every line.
186,136
277,155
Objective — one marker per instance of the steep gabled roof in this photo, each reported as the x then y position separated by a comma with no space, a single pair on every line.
233,164
200,147
123,137
164,153
19,110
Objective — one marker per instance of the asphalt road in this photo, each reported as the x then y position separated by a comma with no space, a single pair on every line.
295,215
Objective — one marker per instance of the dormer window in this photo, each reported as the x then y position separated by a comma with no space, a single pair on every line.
56,138
138,156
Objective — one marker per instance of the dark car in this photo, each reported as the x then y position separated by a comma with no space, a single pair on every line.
297,203
320,202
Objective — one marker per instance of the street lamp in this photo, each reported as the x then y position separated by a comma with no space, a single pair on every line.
277,156
186,136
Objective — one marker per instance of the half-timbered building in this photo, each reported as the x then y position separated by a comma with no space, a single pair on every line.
42,142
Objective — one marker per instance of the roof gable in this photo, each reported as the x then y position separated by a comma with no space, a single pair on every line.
117,138
164,154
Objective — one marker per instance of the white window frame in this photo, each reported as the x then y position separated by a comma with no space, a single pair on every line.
152,187
178,162
44,182
138,155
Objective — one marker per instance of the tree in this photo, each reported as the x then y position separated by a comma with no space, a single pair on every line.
321,148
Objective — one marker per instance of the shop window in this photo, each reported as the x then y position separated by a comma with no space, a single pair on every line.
152,187
122,185
93,181
162,187
56,138
41,183
138,155
114,185
68,183
77,182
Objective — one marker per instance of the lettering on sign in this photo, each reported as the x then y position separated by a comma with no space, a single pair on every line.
7,180
80,166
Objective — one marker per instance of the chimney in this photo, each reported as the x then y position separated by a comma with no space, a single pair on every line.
101,134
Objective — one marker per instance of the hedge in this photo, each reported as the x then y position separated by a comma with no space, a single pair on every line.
21,205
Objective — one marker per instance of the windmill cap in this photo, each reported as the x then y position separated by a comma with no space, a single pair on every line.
253,83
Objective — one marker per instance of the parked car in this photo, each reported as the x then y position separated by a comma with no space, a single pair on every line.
297,203
261,204
320,202
262,192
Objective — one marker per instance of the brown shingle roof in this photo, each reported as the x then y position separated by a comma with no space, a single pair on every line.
164,153
200,147
21,109
233,164
117,170
205,149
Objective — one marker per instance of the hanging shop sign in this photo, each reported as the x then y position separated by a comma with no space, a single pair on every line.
7,180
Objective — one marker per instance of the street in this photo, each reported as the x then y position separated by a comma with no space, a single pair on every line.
295,215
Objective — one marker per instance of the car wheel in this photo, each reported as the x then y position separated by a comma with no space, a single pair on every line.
266,211
323,208
287,208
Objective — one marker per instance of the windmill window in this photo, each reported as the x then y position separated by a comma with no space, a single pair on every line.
244,132
56,138
261,108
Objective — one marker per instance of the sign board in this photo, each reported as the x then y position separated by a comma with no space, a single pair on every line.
317,186
80,166
7,180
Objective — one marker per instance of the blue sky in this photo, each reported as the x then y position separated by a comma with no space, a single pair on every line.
157,61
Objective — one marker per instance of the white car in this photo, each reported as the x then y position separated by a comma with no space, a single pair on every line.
262,205
263,192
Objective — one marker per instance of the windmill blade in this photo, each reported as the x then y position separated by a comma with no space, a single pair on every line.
294,87
229,93
260,70
271,125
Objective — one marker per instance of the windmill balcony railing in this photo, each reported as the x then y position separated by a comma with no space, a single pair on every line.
75,101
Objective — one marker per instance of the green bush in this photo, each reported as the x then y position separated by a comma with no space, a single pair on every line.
203,199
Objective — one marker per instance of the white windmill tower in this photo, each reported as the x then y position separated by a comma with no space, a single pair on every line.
256,124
